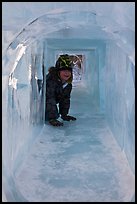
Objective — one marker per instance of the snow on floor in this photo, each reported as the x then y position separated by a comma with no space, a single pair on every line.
80,161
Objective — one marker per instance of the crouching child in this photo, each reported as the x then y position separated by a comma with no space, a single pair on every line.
58,90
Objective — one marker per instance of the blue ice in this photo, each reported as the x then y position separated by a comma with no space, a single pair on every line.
93,158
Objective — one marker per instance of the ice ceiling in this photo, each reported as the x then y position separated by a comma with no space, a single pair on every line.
100,21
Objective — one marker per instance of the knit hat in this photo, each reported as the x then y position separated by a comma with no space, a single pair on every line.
64,63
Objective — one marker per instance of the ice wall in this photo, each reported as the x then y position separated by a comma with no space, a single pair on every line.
102,32
120,102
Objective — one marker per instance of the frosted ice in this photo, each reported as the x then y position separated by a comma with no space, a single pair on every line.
92,158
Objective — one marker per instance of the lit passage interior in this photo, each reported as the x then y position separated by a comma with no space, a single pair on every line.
90,159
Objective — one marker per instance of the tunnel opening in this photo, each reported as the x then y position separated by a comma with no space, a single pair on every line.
92,101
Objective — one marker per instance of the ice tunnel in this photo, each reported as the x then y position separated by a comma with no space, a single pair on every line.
93,158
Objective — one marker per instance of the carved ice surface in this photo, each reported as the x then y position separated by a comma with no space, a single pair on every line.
92,158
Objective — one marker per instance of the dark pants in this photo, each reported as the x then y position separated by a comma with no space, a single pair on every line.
56,113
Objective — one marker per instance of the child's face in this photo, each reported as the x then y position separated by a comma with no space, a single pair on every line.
65,75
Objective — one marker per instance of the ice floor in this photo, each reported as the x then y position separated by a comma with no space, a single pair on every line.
80,161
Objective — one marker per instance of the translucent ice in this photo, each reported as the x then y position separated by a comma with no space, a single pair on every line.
85,159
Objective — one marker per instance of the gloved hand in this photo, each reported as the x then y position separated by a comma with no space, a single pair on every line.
68,117
55,122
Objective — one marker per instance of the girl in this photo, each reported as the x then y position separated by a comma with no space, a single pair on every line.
58,89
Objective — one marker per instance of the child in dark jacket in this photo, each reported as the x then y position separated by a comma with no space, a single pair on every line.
58,90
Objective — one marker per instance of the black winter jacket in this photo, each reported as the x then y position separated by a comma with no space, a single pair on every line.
56,94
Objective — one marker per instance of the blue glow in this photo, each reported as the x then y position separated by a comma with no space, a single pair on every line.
90,159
